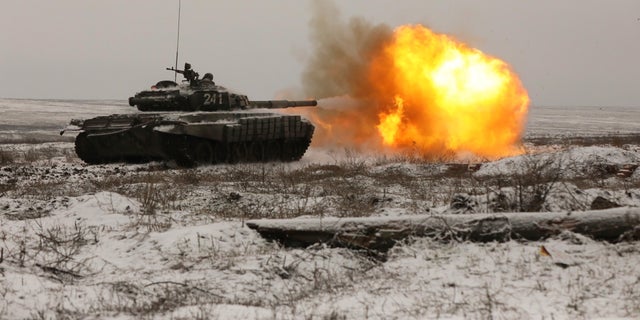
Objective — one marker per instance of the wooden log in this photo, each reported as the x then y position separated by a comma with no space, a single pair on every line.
381,233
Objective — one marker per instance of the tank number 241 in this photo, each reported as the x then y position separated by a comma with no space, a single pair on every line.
212,98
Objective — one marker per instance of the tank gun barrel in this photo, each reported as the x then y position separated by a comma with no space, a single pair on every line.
278,104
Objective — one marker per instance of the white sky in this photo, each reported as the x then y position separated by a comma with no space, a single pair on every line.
569,52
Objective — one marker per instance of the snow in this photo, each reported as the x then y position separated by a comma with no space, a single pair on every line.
568,121
146,241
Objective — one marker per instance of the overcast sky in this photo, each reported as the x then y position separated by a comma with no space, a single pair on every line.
568,52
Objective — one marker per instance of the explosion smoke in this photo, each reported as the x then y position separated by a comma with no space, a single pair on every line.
408,90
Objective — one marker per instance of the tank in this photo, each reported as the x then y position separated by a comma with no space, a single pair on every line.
194,123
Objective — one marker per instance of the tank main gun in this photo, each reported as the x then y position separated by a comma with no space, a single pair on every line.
279,104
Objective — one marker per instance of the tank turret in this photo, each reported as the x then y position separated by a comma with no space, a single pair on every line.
209,124
201,95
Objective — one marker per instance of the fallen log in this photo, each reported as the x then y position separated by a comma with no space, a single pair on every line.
381,233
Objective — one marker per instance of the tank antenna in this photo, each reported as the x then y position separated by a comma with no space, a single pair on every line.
175,76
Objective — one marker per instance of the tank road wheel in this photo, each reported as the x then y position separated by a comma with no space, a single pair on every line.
250,153
219,152
295,149
301,147
86,151
176,148
240,152
277,150
234,155
271,150
203,152
259,151
288,151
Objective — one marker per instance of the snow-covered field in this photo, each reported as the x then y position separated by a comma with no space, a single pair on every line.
147,241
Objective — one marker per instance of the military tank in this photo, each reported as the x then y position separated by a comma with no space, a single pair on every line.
194,123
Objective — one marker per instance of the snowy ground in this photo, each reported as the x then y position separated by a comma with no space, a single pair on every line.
147,241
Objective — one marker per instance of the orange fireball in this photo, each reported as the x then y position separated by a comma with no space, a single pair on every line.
411,90
446,97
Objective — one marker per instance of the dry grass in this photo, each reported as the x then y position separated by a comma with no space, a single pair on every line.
350,187
616,140
34,138
11,155
7,157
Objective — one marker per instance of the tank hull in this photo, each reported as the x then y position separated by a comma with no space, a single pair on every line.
195,123
193,138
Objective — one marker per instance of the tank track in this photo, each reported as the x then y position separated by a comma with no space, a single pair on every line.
197,151
86,151
92,151
189,151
